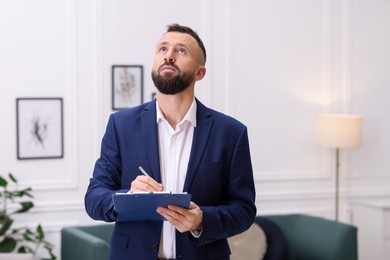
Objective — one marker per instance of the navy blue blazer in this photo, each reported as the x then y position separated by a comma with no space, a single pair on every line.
219,178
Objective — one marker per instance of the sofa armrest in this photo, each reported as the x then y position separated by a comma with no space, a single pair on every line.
78,244
317,238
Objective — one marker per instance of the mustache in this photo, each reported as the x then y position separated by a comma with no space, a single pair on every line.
168,63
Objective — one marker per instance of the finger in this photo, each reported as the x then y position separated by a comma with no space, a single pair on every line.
180,210
176,219
145,183
192,218
166,212
184,211
193,205
181,218
151,182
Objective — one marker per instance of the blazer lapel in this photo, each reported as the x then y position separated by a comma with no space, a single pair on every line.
149,128
199,142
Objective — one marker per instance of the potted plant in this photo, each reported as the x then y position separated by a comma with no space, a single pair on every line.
21,240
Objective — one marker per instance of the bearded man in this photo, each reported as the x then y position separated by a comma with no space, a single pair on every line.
184,147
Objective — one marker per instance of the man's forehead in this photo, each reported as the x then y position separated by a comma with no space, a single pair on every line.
176,38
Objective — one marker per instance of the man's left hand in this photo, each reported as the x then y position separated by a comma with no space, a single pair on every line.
183,219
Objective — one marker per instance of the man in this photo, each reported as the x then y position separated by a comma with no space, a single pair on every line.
184,147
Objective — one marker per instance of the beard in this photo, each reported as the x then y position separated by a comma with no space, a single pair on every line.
171,85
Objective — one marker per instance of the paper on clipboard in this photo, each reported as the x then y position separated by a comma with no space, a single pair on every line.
142,206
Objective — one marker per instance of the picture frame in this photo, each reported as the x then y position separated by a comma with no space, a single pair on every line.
127,86
40,128
154,95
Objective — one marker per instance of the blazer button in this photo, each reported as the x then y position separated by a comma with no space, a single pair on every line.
155,248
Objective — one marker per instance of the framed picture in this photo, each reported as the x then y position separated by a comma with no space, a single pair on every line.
127,86
39,124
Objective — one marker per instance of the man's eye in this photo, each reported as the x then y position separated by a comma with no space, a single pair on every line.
181,51
163,49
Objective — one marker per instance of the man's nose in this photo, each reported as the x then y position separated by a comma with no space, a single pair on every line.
169,60
169,57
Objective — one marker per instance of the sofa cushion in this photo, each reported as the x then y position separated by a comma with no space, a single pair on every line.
251,244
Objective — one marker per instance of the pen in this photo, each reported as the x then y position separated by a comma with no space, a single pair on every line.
143,171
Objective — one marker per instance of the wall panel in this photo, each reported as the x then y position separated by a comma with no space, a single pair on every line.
274,65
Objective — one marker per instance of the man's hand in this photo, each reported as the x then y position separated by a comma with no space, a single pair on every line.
183,219
145,184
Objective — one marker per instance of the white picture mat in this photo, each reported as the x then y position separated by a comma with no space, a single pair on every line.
40,128
127,86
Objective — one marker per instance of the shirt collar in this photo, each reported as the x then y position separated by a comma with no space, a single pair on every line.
190,116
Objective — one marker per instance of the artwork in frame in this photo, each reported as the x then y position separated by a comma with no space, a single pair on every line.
154,95
40,130
127,86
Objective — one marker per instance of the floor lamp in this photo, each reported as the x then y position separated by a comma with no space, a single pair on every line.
339,131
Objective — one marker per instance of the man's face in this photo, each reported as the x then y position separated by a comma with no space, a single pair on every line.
177,59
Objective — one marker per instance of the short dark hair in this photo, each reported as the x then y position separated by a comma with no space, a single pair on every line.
184,29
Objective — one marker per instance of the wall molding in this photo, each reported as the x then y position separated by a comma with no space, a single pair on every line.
73,99
71,106
288,176
61,206
324,173
229,19
321,194
324,212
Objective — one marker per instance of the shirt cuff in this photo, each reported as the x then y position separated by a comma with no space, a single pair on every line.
196,233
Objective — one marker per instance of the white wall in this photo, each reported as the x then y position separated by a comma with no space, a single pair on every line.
274,65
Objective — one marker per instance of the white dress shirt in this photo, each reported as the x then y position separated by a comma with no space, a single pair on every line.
174,150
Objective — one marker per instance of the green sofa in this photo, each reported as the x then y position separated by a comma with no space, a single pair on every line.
86,242
303,237
289,237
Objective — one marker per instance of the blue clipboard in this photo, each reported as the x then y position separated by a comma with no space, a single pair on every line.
142,206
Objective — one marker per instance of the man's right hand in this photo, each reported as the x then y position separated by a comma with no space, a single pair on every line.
145,184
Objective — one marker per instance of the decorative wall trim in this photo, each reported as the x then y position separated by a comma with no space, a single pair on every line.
327,48
100,73
229,54
323,212
207,38
368,194
284,176
65,184
347,55
294,196
348,90
49,226
72,99
63,206
324,173
71,106
321,194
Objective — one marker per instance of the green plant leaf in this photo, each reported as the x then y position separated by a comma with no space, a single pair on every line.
3,182
22,250
12,178
27,237
22,193
27,193
2,215
19,239
7,245
52,255
26,206
40,232
5,226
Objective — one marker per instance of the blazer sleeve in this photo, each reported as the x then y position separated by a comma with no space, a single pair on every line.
106,179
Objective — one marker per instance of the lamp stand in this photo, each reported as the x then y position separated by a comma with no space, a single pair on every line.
337,184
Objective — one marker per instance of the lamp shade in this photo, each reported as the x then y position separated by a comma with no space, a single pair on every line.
339,130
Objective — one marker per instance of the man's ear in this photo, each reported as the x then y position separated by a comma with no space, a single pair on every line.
200,73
